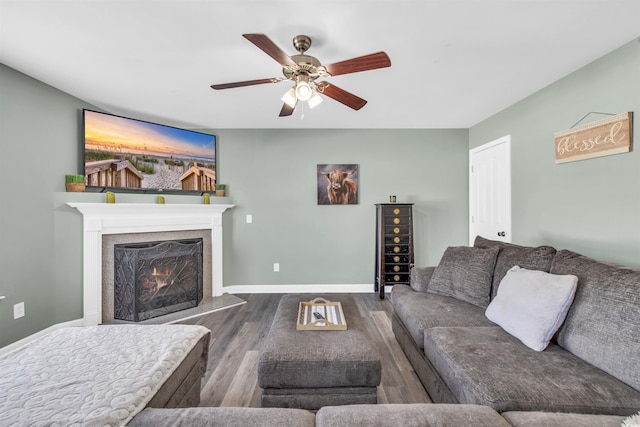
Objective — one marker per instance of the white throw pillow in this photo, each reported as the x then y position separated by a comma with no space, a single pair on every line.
632,421
531,305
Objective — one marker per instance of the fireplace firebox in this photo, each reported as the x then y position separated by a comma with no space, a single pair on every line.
152,279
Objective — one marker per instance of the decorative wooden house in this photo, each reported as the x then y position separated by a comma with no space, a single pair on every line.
198,178
113,173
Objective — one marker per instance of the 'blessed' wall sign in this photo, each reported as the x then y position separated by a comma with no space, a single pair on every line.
612,135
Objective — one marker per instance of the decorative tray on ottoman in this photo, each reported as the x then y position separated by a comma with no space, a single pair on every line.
320,315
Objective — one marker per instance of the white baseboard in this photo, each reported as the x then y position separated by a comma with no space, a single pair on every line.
26,340
301,289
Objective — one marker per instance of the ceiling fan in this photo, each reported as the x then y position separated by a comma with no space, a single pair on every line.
303,70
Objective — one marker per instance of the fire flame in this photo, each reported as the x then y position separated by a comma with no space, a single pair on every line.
162,277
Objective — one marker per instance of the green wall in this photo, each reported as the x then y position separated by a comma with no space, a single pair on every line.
39,138
590,206
271,174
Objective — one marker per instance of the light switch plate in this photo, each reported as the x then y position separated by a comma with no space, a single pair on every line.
18,310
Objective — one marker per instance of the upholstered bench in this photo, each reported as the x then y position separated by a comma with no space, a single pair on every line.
312,369
102,375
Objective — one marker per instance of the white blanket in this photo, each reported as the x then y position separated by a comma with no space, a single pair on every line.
92,376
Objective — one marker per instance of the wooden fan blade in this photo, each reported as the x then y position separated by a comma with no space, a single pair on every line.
245,83
341,95
361,63
287,110
270,48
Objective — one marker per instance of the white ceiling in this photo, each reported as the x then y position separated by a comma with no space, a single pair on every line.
454,62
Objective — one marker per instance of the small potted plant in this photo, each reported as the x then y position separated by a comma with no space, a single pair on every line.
74,183
220,190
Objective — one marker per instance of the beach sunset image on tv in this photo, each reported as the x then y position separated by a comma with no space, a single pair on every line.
126,153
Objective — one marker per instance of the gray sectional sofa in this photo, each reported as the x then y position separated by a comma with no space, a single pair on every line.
389,415
591,365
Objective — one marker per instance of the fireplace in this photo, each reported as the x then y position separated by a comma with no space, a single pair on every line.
153,279
104,220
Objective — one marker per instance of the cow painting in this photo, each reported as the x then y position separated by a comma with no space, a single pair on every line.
337,184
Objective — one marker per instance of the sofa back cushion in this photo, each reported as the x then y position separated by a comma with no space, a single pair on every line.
465,273
531,258
603,324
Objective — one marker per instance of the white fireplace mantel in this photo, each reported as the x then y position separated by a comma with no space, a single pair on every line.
122,218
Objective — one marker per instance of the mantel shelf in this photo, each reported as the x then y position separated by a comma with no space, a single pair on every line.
119,209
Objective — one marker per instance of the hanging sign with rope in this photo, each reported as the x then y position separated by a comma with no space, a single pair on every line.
612,135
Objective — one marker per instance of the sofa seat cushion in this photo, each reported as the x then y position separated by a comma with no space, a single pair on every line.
224,417
419,310
416,414
603,324
487,366
551,419
531,258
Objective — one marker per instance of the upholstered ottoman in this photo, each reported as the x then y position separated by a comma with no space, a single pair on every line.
312,369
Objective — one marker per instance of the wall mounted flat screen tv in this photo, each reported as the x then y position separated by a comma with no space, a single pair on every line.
124,154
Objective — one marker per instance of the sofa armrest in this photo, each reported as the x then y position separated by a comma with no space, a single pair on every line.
420,277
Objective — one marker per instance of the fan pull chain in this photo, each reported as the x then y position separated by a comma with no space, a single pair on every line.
302,110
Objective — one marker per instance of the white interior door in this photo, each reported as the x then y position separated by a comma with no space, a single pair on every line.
490,190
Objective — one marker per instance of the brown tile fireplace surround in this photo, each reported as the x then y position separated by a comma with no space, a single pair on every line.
105,225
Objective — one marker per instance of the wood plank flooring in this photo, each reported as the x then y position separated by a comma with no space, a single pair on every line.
238,332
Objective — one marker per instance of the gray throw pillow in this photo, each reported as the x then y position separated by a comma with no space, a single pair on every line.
531,258
465,273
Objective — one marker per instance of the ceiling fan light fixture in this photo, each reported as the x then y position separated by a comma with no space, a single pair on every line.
315,100
304,91
289,97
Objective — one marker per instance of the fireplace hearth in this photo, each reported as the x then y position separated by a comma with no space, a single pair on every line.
153,279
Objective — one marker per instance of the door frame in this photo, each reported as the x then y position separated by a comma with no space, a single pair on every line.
472,152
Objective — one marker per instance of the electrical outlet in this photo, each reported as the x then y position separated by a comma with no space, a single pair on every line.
18,310
249,219
276,266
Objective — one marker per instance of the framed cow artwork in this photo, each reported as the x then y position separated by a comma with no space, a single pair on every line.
337,184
